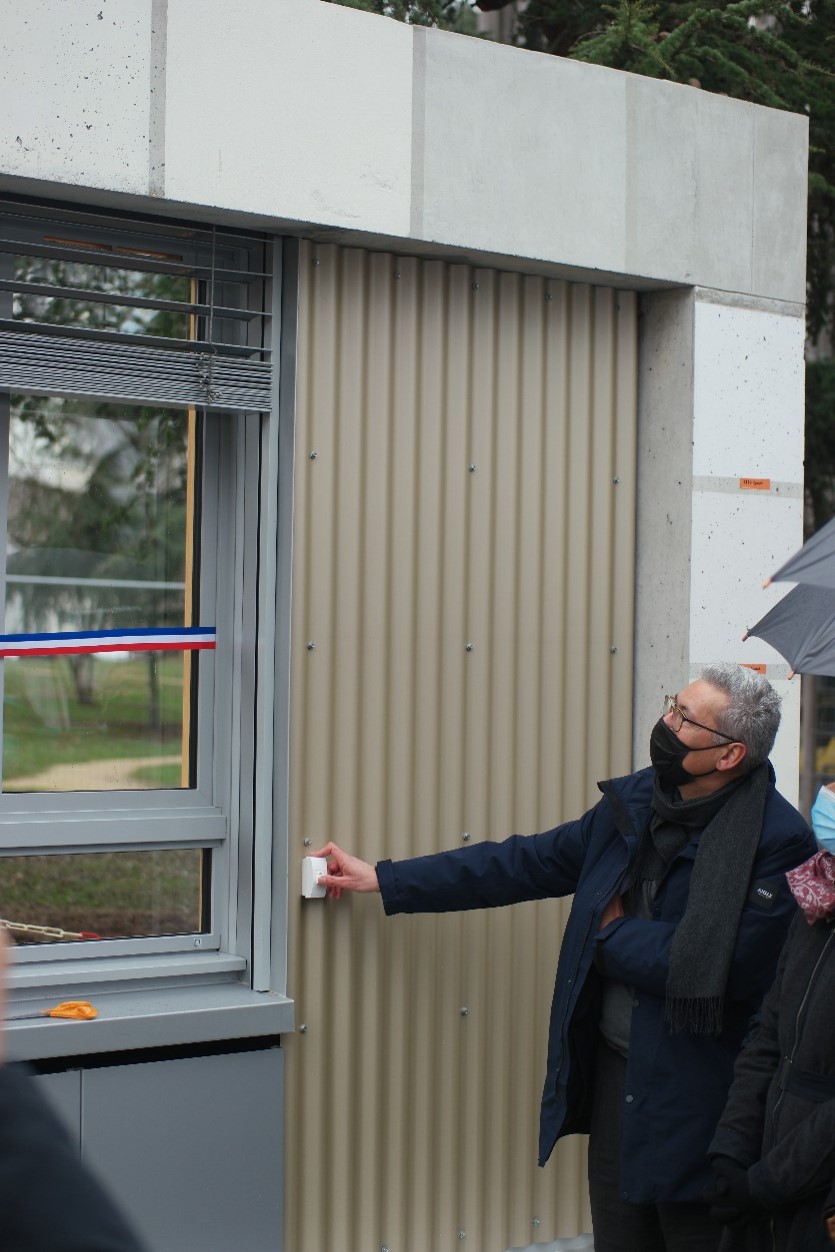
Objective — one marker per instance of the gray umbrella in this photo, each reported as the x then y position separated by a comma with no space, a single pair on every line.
814,563
801,627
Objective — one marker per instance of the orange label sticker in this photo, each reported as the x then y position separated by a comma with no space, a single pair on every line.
754,665
755,484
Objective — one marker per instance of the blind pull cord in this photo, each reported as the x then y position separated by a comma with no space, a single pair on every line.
207,359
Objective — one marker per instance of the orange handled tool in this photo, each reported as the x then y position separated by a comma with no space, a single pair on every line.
75,1010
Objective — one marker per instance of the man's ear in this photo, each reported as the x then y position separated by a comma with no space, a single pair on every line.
733,756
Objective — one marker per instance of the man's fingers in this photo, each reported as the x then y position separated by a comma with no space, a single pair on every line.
333,885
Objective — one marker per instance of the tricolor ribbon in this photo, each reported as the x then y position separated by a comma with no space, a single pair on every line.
75,642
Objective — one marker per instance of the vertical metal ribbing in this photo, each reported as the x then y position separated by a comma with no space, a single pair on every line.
467,427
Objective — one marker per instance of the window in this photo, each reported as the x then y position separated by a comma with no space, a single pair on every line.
134,396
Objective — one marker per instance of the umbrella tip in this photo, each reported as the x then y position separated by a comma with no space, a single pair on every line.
767,583
745,636
792,673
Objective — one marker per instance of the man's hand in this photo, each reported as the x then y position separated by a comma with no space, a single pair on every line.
612,911
346,873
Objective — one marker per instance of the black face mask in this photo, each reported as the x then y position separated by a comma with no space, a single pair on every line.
667,752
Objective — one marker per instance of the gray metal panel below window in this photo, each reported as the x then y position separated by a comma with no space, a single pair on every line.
63,1094
164,1136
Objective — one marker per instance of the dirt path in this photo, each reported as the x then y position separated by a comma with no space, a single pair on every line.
112,775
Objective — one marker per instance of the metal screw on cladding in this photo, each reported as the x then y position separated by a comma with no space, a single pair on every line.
310,645
469,647
302,1029
465,1012
315,262
308,842
613,649
198,943
535,1221
462,1234
466,837
472,469
313,456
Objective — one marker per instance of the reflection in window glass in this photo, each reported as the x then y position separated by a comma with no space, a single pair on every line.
105,895
98,518
67,309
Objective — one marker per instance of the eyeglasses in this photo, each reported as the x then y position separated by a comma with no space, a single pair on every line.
678,718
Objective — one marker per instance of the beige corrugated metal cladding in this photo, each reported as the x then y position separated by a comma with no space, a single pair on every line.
463,564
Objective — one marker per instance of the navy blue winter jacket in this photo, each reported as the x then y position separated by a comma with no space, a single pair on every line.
676,1083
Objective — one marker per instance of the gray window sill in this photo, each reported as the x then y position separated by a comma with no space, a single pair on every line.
141,1003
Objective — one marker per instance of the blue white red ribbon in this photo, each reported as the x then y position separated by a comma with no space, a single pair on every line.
76,642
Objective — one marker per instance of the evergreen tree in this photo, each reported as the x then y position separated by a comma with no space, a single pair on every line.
455,15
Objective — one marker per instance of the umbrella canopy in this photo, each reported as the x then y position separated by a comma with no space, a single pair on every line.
814,563
801,627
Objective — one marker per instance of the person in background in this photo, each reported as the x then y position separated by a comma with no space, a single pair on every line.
49,1201
773,1153
679,913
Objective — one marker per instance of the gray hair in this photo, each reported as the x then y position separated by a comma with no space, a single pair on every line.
752,715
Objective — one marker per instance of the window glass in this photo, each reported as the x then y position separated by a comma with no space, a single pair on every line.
102,895
100,514
63,307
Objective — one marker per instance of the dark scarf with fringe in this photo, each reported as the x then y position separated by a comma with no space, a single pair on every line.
703,943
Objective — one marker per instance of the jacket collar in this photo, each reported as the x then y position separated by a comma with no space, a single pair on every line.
631,796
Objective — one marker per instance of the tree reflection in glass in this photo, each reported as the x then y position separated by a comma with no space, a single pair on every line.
96,540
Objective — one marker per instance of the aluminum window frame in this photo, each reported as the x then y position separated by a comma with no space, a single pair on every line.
229,812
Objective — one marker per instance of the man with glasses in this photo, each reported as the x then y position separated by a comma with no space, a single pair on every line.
679,913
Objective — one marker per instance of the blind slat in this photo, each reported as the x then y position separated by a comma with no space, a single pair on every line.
52,365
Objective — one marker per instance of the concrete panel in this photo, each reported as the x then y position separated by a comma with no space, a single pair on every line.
297,110
662,558
784,755
780,192
523,153
724,226
748,382
738,540
74,91
662,193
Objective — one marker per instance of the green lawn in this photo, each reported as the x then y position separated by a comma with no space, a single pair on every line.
45,724
113,894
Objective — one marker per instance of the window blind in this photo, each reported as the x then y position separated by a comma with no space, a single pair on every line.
144,312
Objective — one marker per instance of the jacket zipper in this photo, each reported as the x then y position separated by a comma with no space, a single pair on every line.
806,994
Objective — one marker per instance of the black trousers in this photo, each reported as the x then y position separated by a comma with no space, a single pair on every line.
622,1227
